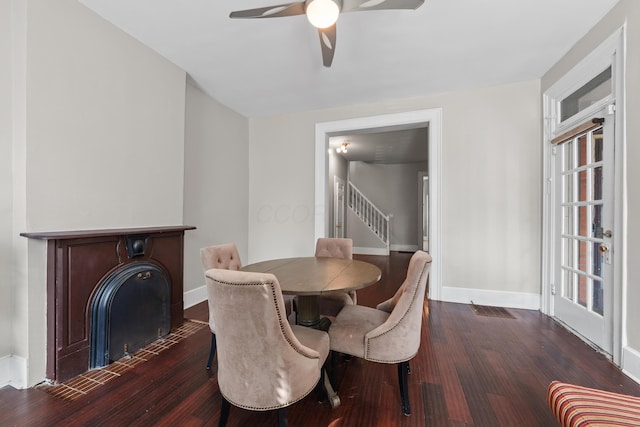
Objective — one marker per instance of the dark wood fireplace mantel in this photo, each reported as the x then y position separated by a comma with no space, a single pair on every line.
64,235
78,262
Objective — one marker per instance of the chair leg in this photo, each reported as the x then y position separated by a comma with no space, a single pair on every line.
224,413
320,387
212,352
334,368
282,417
403,370
334,399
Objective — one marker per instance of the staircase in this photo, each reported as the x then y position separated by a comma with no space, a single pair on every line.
373,217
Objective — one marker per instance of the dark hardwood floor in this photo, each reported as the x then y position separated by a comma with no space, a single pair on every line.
471,370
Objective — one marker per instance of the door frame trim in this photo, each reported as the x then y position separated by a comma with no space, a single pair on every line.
610,52
432,119
338,180
421,178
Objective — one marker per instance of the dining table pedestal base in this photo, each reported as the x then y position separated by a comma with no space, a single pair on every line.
308,312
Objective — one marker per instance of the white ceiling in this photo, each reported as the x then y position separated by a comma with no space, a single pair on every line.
270,66
389,147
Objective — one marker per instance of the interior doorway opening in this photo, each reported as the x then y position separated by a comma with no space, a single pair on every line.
432,120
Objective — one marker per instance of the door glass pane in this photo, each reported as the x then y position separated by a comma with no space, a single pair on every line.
583,190
567,252
582,256
582,150
569,187
597,221
597,145
598,305
583,283
567,288
597,183
568,220
583,221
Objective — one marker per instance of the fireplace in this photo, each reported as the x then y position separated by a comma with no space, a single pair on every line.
109,293
129,310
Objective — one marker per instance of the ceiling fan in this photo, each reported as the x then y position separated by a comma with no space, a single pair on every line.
323,15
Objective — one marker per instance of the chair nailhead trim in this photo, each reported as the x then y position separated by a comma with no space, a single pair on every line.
298,350
401,319
280,320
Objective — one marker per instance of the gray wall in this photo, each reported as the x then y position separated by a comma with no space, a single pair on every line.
491,183
393,188
6,180
216,182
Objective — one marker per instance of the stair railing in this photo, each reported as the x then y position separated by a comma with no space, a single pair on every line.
369,213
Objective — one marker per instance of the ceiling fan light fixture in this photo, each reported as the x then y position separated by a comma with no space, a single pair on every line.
322,13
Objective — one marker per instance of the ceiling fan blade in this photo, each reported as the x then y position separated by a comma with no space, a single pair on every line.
327,44
289,9
360,5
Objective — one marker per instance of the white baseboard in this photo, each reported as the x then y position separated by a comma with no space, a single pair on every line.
491,298
631,363
13,372
195,296
404,248
370,251
383,251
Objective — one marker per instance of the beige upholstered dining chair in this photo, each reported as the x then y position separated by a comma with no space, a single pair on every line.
264,362
218,256
335,247
225,256
391,332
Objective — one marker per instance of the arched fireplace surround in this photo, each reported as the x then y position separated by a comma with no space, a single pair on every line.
129,310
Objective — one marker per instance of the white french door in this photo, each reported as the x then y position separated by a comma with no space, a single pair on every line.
583,231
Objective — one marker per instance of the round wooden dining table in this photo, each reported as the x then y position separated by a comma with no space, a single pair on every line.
309,277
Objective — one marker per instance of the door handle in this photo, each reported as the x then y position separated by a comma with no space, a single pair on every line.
604,250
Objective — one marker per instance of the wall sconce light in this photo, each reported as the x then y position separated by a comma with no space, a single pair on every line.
342,148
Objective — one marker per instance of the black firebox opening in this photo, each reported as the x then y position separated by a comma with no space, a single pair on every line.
130,309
